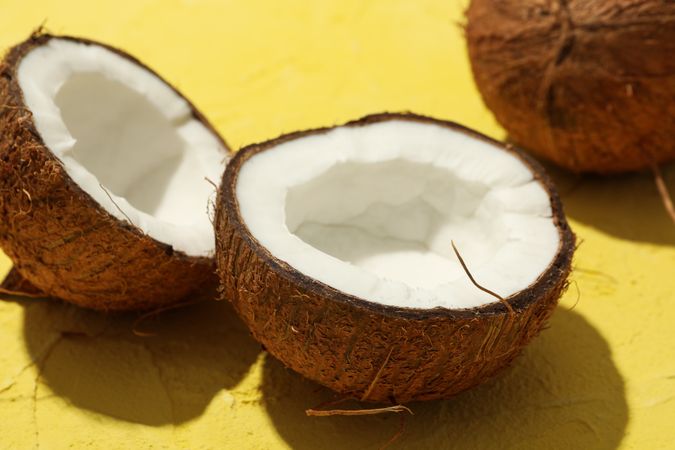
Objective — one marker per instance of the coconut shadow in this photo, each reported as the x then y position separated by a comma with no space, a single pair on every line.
563,392
626,206
95,362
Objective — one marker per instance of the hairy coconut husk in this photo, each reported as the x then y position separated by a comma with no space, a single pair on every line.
63,242
367,350
589,85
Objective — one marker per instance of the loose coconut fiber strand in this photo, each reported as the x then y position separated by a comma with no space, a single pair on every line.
663,192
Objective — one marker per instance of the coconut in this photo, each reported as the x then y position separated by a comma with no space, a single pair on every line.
587,85
335,247
104,177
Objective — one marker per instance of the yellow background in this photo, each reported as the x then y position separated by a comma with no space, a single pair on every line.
602,375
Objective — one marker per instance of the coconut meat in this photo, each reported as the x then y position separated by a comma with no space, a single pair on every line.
126,138
372,210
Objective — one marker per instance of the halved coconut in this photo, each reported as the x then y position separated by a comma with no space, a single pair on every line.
104,177
335,247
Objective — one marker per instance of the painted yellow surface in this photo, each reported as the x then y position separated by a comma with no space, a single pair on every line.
602,375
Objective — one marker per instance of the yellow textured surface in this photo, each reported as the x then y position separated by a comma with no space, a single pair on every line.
602,375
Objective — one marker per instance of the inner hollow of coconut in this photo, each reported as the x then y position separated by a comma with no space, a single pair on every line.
126,138
372,210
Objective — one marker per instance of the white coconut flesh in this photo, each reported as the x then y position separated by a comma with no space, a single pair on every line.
127,139
372,210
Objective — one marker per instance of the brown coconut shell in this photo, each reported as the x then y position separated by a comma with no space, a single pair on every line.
589,85
62,241
368,350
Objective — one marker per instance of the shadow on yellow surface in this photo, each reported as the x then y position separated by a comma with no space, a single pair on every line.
95,362
625,206
564,389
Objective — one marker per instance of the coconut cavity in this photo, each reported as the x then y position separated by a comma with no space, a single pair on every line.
372,210
126,138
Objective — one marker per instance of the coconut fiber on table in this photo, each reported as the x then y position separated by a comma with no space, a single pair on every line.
601,376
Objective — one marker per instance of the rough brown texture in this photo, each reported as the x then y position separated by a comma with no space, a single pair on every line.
587,84
61,240
375,352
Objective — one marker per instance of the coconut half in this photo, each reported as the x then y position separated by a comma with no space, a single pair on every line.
335,247
104,177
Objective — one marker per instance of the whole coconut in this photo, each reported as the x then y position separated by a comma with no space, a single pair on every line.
589,85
